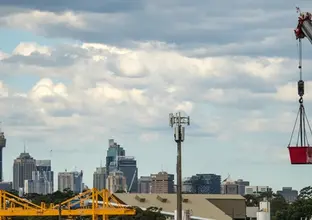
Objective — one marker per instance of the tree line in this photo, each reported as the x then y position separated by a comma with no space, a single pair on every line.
281,209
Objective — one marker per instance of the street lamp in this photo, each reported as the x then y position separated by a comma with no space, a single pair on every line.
178,122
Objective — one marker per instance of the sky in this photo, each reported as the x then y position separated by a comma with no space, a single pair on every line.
74,74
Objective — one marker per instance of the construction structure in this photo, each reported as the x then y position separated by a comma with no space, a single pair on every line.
301,152
89,203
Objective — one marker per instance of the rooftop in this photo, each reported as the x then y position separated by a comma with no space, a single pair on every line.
201,205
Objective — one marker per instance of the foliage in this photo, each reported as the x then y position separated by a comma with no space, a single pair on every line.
152,213
280,209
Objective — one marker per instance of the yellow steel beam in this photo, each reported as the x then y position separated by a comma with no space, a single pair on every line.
75,212
11,205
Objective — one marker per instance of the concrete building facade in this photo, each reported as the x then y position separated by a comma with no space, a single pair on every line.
162,182
23,167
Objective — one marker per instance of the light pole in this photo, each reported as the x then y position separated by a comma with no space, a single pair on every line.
178,122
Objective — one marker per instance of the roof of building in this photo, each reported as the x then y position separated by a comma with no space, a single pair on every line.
197,203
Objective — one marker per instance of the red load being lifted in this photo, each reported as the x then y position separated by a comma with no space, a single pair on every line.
301,153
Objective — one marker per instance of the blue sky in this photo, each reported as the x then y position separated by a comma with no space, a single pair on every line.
73,76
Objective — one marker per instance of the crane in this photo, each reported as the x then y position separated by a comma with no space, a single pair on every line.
11,205
301,153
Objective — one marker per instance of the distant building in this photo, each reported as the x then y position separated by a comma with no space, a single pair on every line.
6,186
128,165
202,184
23,167
145,184
116,182
114,150
99,178
289,194
162,183
241,186
229,186
256,190
29,186
43,177
70,180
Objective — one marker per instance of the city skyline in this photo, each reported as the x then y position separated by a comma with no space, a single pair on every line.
68,86
111,150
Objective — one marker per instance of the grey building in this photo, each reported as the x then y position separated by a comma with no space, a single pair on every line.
241,186
70,180
202,184
43,177
23,167
99,178
114,150
145,184
289,194
128,165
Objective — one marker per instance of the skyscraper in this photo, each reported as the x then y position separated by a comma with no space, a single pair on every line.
23,167
99,178
114,150
43,177
116,182
202,184
70,180
2,145
128,165
145,184
162,182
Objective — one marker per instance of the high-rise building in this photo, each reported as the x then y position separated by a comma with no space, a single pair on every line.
2,145
114,150
256,190
116,182
29,186
202,184
289,194
162,182
229,186
6,186
70,180
145,184
241,186
128,165
43,177
99,178
23,167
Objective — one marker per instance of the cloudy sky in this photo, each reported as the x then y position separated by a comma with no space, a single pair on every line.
74,74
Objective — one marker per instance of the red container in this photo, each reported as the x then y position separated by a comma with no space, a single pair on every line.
300,155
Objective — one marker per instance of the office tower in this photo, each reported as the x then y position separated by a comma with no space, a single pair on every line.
70,180
29,186
162,183
2,145
229,186
43,177
241,186
128,166
256,190
99,178
114,150
202,184
116,182
6,186
145,184
23,167
289,194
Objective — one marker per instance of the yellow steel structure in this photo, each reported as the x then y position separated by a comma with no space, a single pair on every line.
87,202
